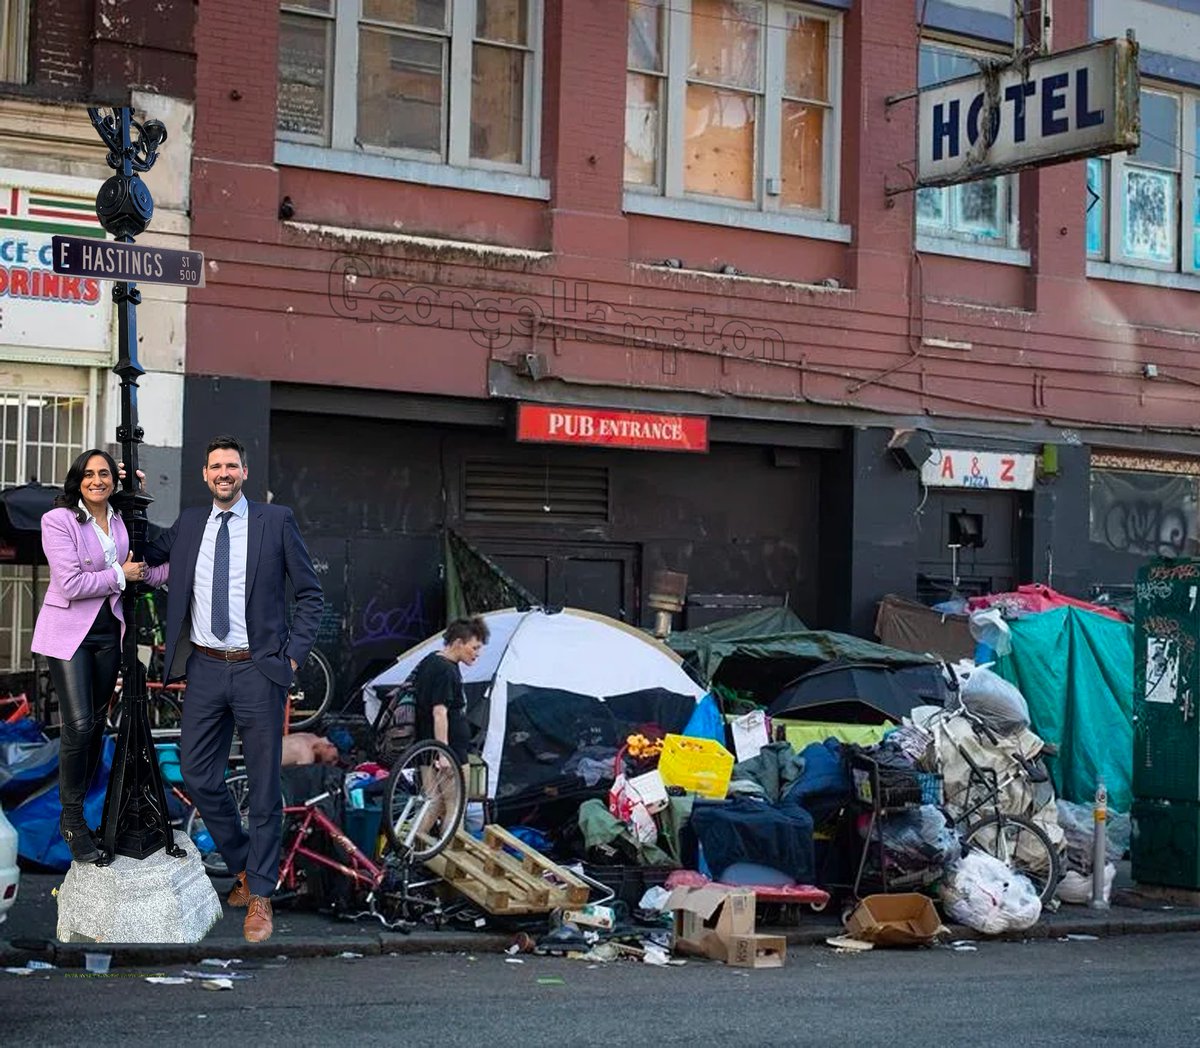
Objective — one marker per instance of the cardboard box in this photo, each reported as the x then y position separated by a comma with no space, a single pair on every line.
653,791
905,919
757,951
707,918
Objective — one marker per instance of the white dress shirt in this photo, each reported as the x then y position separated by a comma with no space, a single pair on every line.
239,532
106,542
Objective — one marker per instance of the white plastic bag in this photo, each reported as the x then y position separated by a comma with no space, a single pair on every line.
983,893
1076,889
987,626
994,700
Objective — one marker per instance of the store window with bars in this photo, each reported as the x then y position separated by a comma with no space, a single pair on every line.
40,436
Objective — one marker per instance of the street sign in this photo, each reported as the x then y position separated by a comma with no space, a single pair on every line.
1073,104
112,260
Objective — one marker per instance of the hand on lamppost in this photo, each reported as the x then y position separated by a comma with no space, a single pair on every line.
140,475
135,570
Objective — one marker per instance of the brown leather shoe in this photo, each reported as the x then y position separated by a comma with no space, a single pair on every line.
240,896
258,925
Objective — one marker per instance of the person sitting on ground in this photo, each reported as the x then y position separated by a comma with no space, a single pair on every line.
303,747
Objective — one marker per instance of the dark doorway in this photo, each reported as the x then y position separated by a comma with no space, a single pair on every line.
975,535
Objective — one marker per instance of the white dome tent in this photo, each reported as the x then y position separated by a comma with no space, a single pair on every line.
539,652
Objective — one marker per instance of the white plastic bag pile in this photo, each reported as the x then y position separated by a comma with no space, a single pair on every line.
983,893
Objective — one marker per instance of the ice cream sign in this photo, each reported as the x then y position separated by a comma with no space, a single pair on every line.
996,470
43,313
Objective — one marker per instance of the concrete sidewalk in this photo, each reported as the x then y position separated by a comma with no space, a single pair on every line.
29,933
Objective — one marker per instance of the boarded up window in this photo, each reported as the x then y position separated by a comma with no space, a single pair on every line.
1145,514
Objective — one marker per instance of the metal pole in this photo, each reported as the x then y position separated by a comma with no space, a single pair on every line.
1099,847
136,821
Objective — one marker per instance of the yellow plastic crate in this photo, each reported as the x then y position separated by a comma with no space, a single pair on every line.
696,765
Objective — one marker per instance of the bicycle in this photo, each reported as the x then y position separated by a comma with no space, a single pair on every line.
1015,840
425,798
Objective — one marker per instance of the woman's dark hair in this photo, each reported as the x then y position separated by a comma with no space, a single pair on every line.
473,628
72,490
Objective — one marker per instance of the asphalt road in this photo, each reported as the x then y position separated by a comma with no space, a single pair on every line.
1128,990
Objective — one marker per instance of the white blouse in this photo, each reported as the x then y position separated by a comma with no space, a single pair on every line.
107,543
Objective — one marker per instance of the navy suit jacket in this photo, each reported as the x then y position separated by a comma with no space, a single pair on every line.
275,553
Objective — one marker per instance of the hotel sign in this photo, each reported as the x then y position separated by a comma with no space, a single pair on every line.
1073,104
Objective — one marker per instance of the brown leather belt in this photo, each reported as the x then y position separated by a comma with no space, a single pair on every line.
230,655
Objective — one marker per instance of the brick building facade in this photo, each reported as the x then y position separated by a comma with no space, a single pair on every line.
419,214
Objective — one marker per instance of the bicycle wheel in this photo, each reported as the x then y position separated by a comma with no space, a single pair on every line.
310,692
423,801
194,827
1023,845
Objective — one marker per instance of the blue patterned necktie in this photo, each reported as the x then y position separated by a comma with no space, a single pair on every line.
220,580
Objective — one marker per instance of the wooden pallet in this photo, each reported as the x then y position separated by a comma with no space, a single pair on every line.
488,874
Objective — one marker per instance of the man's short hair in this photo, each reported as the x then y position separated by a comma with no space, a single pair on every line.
227,443
473,628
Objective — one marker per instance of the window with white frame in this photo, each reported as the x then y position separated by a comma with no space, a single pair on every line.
40,436
982,211
445,81
735,102
14,41
1144,207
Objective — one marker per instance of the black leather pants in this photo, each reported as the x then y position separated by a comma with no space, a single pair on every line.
84,685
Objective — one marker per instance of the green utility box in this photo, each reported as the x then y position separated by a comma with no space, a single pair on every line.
1165,846
1166,681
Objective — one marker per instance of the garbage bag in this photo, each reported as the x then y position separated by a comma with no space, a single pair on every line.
983,893
1079,829
987,626
1076,889
917,845
999,704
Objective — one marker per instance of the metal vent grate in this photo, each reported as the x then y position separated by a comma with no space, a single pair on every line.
520,491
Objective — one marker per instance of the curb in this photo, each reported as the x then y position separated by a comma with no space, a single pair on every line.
70,955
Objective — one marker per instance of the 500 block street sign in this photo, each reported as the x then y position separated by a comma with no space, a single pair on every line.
110,260
1073,104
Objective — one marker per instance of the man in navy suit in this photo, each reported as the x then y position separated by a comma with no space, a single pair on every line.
227,632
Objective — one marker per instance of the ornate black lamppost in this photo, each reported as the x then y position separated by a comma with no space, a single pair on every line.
135,820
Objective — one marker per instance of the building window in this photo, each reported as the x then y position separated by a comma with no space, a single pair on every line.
14,41
982,211
40,435
735,102
443,81
1144,207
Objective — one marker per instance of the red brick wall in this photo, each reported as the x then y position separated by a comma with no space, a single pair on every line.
1045,344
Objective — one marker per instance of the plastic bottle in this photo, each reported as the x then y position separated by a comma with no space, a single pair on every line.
1099,847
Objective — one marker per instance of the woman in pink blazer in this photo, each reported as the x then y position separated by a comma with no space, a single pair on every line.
81,626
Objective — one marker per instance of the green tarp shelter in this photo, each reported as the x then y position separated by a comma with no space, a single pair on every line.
777,633
1075,669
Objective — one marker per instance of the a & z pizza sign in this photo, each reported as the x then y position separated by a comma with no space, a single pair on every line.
994,470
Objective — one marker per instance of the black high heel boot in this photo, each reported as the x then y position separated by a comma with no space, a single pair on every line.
78,838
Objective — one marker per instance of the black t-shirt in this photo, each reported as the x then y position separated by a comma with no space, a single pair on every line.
438,682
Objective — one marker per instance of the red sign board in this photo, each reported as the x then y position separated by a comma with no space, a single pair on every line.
619,429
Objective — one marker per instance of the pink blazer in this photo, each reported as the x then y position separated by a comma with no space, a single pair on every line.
80,582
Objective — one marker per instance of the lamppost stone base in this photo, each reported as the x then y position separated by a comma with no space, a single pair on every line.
156,899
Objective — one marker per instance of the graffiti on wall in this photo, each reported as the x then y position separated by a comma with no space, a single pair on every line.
381,623
1145,514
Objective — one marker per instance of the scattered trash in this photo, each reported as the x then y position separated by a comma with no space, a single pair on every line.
350,956
168,980
514,948
97,962
845,944
608,951
233,976
217,962
655,899
964,947
1073,937
217,984
656,955
551,980
19,971
513,960
39,966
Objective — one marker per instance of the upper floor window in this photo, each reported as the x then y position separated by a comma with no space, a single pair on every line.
982,211
447,81
14,41
1144,207
734,101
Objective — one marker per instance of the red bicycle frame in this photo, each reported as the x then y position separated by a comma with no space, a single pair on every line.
362,870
